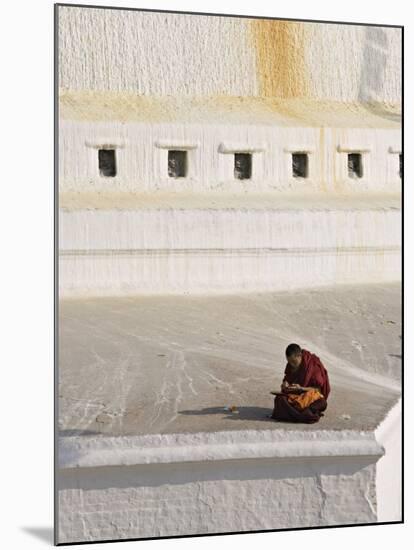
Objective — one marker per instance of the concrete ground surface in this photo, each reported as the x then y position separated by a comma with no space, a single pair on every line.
170,364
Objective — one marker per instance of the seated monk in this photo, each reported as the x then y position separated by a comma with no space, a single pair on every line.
305,388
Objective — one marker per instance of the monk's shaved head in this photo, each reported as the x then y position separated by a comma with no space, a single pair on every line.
293,349
294,355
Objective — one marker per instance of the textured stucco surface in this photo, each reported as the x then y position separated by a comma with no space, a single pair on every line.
142,164
217,272
202,229
103,105
109,201
216,250
148,82
389,467
91,451
180,54
182,499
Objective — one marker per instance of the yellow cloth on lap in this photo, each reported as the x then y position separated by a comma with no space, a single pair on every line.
303,400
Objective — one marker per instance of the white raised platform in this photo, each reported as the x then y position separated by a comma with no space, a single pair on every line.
211,483
181,484
221,244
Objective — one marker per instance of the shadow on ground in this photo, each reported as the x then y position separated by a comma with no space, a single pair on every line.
242,413
44,534
71,433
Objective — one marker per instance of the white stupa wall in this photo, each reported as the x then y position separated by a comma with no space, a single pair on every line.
202,230
389,435
151,248
162,54
142,157
157,251
220,273
202,498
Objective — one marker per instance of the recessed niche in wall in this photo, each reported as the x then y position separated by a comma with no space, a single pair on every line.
300,165
107,165
177,164
355,165
242,166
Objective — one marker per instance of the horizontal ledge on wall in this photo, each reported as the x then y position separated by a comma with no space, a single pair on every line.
349,149
105,143
308,150
395,151
176,144
95,451
239,148
262,251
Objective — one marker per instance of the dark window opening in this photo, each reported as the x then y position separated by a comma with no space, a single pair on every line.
107,165
355,165
242,166
401,166
300,165
177,164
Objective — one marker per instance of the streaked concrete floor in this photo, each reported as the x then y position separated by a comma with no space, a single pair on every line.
169,364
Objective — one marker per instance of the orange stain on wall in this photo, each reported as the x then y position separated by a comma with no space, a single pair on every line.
280,59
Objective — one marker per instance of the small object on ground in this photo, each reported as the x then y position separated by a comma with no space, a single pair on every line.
346,417
231,408
104,418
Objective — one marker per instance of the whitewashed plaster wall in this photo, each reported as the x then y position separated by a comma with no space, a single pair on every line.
180,484
186,54
193,229
220,272
389,467
219,250
142,153
183,499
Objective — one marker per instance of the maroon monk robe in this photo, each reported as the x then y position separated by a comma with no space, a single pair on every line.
310,372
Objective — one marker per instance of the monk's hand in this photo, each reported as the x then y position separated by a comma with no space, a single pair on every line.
295,388
284,386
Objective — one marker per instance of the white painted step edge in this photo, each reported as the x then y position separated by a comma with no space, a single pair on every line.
90,452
